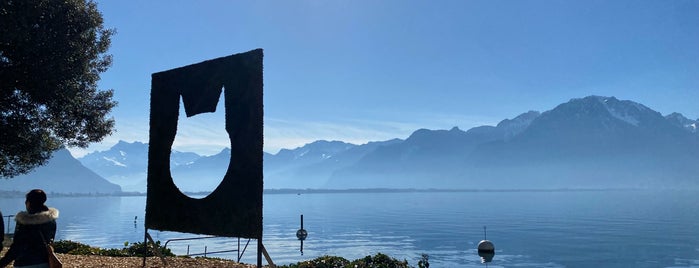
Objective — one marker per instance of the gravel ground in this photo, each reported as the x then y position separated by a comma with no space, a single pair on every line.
84,261
119,262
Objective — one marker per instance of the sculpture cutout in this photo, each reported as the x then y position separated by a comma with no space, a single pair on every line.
234,208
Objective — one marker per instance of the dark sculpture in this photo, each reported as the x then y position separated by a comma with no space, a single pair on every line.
234,208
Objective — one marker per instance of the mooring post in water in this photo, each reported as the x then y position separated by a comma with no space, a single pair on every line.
301,234
301,229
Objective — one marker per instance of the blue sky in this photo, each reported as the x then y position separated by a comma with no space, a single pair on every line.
361,71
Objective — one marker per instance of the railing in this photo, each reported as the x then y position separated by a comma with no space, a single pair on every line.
7,230
206,252
8,236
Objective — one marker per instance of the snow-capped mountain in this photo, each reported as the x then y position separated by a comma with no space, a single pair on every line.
307,166
120,159
679,120
591,142
318,150
126,163
314,163
627,111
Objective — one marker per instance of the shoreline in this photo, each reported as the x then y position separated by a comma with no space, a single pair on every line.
13,194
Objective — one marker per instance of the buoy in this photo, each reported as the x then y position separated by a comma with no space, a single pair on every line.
486,249
301,234
486,246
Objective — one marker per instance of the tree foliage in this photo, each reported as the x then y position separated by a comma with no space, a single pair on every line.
52,53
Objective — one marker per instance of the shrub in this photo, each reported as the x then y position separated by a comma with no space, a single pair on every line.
136,249
379,260
322,262
133,250
113,252
72,247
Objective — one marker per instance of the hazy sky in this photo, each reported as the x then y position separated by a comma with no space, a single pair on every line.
363,71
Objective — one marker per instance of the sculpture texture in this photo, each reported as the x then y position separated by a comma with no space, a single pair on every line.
234,208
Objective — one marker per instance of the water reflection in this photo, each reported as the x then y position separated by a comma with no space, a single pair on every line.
486,256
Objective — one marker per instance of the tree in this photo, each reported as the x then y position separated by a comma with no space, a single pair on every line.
52,53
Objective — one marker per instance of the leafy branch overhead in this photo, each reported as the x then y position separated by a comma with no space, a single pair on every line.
51,56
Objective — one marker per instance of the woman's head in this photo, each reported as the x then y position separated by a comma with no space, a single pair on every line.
35,201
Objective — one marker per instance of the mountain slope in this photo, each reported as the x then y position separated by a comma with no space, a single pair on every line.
126,164
679,120
588,142
62,174
305,173
426,159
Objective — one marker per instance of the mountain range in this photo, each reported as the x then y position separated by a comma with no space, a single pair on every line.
590,142
61,174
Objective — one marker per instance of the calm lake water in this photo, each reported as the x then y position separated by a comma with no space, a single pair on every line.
529,229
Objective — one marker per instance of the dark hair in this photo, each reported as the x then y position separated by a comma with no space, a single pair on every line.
36,199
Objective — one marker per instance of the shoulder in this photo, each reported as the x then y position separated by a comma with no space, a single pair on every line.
25,218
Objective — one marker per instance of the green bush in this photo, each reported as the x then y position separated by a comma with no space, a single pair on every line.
114,252
133,250
72,247
136,249
379,260
322,262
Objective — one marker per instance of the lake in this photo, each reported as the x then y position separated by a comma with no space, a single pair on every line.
614,228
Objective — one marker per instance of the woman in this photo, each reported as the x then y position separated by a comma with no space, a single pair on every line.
34,227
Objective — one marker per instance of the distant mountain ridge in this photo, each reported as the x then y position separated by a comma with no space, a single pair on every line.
681,121
126,164
62,174
590,142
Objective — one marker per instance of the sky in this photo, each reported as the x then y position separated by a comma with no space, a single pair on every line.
360,71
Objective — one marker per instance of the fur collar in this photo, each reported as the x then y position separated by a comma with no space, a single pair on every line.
24,217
